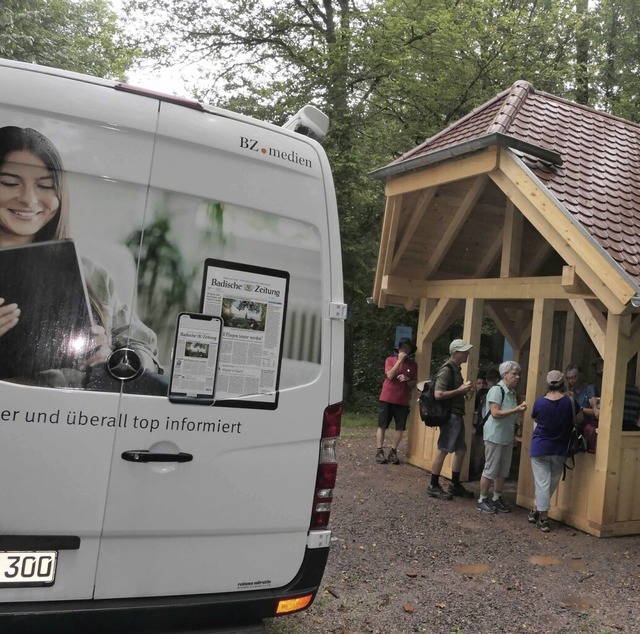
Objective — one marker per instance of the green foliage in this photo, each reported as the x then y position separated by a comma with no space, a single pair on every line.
76,35
390,74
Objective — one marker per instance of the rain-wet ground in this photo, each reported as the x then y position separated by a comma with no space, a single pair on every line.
402,562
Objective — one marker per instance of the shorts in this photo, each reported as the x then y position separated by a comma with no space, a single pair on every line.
497,460
389,411
451,437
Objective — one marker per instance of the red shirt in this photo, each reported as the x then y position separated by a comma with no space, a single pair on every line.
394,390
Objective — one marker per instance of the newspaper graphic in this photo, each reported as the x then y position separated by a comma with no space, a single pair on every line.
252,304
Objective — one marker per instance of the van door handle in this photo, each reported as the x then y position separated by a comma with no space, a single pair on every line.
142,455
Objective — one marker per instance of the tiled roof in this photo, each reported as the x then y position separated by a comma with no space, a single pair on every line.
599,179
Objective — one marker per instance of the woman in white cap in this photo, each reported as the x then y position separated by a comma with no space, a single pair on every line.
553,414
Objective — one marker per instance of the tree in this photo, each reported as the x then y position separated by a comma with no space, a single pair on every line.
81,36
389,73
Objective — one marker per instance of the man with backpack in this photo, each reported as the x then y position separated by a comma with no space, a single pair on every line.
450,385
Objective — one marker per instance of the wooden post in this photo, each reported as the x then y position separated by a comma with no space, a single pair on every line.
541,331
420,438
603,493
472,333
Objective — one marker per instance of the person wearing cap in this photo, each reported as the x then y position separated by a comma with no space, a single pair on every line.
450,385
553,414
400,378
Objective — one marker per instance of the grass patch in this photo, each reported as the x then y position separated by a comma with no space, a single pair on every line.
351,420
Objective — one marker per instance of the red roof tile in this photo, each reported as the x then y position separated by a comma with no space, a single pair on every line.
599,179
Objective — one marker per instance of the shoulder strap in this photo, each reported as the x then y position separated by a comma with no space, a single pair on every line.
502,392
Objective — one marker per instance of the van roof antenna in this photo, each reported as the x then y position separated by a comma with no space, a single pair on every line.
309,121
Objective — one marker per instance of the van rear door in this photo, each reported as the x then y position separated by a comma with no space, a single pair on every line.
56,442
235,515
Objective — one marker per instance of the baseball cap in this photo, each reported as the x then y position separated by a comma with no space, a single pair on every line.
459,345
555,377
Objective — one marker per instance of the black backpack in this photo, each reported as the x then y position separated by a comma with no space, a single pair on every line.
478,419
576,444
434,412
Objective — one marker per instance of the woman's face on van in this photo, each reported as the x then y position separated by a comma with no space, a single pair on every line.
28,199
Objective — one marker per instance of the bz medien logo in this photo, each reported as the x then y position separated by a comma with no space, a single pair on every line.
290,156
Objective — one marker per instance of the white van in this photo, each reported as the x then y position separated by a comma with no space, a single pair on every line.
123,509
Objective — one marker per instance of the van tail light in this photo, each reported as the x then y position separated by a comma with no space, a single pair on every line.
327,467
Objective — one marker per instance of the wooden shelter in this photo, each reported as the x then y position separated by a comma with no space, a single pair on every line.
527,211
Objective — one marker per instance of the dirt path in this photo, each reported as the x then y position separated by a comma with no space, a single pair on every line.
402,562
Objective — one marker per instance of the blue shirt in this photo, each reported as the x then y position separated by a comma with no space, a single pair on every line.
501,430
554,422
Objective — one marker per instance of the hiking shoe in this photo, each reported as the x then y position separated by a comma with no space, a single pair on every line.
501,506
380,459
533,516
543,525
392,457
485,506
438,492
459,491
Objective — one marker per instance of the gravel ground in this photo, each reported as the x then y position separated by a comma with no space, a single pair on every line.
402,562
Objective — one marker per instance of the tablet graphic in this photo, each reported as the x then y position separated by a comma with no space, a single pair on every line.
45,280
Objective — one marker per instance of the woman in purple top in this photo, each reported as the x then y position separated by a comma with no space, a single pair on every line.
553,418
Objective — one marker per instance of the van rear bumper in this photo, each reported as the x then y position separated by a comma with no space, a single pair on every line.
210,612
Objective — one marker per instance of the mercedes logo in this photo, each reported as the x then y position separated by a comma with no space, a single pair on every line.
124,364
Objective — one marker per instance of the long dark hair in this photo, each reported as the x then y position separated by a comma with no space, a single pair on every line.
15,139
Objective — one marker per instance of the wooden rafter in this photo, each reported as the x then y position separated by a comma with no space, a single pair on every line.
594,322
489,257
454,225
532,266
551,221
512,245
416,216
389,228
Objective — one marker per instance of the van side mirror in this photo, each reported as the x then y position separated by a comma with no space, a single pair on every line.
309,121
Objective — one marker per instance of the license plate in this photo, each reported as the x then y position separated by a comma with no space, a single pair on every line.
28,568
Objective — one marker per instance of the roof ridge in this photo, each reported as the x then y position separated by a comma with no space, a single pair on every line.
455,124
516,96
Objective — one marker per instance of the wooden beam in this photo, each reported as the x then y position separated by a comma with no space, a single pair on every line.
552,221
437,320
391,240
605,479
504,323
480,163
536,262
594,322
569,334
489,257
472,331
455,224
541,332
422,204
520,288
524,325
512,241
384,247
